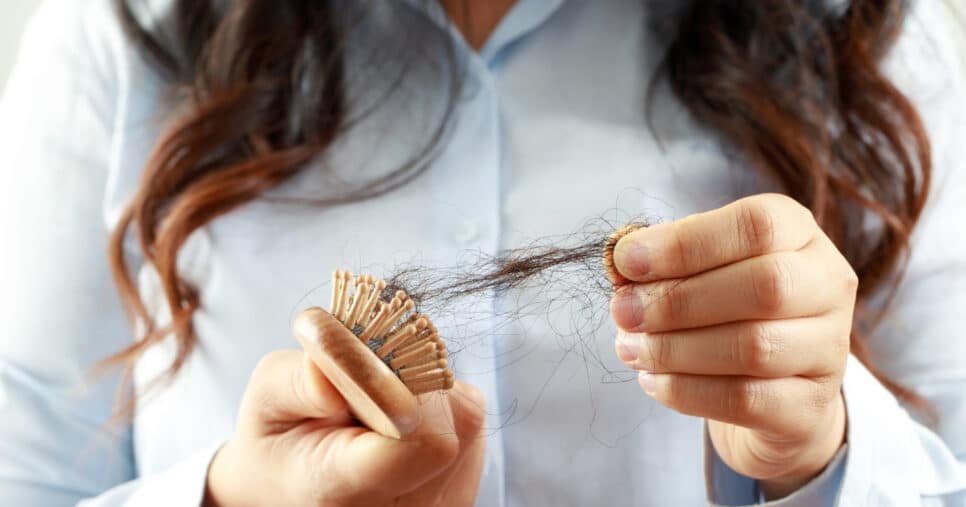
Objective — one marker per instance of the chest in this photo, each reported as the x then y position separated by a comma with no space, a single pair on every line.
529,156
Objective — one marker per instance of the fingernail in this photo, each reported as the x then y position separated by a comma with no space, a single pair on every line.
628,346
646,380
627,309
631,258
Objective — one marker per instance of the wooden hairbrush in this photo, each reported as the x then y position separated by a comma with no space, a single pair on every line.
376,350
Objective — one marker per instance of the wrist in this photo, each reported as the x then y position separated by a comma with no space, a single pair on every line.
816,455
223,480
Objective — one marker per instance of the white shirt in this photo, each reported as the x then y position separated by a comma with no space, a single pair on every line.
550,132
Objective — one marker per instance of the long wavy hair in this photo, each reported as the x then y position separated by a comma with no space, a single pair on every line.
795,85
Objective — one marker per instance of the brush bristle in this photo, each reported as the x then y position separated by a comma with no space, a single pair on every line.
405,340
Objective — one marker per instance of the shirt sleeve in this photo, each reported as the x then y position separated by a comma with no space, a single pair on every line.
895,455
59,313
728,488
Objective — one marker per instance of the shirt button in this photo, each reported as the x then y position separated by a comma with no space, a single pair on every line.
466,232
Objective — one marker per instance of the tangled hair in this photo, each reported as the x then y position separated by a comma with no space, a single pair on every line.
795,85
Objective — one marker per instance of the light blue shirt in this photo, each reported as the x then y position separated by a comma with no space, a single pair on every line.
550,131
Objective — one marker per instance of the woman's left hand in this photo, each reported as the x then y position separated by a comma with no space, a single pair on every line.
742,315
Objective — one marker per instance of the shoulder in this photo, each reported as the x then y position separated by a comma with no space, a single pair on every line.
71,51
81,34
79,86
82,44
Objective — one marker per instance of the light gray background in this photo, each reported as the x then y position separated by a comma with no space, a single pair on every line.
14,14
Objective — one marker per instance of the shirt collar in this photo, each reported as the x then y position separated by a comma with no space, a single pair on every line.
523,18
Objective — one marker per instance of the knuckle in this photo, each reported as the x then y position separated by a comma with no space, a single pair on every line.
270,363
771,284
776,200
660,351
685,255
473,411
794,206
440,451
759,347
473,420
300,392
473,395
750,397
260,398
851,281
821,394
674,392
840,345
756,225
671,305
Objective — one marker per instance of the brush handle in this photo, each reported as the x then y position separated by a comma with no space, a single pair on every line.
373,392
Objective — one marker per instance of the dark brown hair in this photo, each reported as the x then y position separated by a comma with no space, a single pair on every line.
794,85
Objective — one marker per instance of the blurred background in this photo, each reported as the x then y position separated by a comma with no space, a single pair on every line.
15,14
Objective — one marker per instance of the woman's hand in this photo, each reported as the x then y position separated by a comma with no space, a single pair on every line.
742,315
295,444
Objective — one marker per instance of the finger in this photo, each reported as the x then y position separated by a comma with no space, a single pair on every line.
462,486
788,406
400,466
458,484
773,286
287,387
769,348
746,228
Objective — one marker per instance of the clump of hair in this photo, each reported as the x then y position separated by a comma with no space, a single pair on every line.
574,269
547,261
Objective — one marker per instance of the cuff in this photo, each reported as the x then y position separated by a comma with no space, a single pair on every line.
893,459
889,460
182,484
726,487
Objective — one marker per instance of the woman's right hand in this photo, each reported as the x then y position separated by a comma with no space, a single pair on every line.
296,444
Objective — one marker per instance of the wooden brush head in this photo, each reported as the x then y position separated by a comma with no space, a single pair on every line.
376,351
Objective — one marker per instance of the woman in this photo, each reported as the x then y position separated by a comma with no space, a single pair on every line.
193,133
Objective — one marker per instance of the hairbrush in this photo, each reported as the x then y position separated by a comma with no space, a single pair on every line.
616,279
376,350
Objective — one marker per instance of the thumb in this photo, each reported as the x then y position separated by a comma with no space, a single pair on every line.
450,423
285,387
